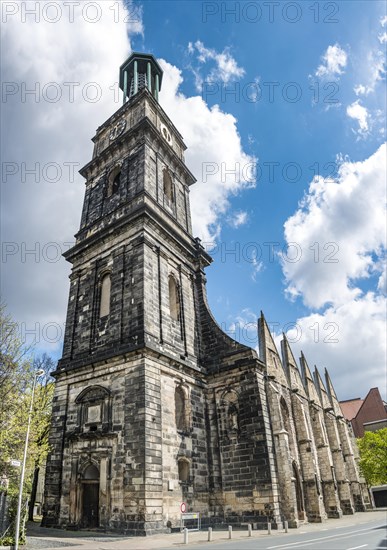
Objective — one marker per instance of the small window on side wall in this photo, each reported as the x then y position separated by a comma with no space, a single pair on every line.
104,305
183,467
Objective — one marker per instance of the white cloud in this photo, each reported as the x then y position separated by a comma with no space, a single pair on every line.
382,282
214,155
342,222
349,340
243,328
257,268
373,71
359,112
236,219
226,67
334,62
40,132
338,228
382,38
360,89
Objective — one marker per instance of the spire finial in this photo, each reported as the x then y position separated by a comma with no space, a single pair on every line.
140,71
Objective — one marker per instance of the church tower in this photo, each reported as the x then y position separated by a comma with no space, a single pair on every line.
154,404
136,427
130,291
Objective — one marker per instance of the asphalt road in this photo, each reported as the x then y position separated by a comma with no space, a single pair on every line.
372,536
363,531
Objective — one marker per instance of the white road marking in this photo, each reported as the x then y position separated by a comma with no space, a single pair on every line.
343,535
356,547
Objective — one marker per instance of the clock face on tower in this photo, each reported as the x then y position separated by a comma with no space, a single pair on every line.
117,129
165,133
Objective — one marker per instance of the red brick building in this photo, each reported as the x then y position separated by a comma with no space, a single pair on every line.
368,414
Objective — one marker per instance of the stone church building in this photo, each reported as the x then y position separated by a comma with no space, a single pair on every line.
155,405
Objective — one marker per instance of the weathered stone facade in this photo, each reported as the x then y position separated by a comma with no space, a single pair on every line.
154,404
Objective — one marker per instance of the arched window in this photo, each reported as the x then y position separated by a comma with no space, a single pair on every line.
174,301
168,185
114,181
286,423
183,467
180,409
230,413
104,305
285,416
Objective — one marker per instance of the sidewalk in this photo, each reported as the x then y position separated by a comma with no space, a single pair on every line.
39,538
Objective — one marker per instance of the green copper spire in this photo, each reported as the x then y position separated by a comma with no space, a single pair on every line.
140,71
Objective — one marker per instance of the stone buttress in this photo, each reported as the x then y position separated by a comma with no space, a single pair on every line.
324,453
314,502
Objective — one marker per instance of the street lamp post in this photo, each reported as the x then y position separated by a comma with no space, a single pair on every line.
19,504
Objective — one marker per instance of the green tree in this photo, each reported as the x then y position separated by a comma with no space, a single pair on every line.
40,423
373,457
17,371
15,383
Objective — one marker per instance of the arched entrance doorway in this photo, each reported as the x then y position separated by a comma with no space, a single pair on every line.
90,497
299,493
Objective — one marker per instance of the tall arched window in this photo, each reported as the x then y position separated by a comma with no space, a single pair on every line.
168,185
104,305
174,300
180,409
114,181
286,423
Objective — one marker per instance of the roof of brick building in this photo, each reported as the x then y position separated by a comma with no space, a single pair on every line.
351,407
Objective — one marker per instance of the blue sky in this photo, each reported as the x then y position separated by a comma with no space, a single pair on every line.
308,81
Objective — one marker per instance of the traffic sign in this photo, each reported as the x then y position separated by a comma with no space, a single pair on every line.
16,463
183,507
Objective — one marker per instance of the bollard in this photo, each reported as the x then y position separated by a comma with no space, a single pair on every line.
209,534
249,527
185,535
286,527
230,531
269,528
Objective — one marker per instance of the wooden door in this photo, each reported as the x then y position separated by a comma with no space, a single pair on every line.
90,510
